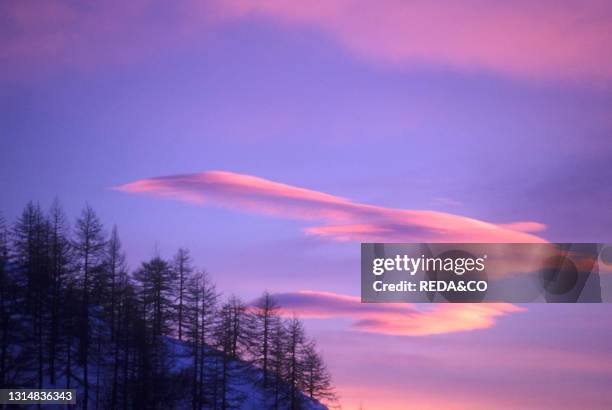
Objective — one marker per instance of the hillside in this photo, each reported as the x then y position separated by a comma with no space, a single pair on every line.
160,336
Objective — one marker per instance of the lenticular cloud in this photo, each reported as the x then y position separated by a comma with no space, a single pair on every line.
398,319
332,217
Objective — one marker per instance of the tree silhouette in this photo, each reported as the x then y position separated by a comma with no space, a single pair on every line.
73,316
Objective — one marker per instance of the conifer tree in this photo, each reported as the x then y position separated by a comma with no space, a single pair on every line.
6,303
89,246
60,270
265,319
183,269
316,380
294,349
31,243
201,303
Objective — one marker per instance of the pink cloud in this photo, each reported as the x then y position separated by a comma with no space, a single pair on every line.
394,319
542,39
340,219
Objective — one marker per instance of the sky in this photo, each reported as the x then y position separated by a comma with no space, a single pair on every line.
272,137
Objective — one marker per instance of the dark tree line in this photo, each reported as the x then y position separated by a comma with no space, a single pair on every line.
160,337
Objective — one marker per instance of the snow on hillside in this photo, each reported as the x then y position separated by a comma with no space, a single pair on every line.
246,386
182,361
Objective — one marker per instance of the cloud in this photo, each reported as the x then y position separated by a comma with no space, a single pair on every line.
340,219
543,40
394,319
530,39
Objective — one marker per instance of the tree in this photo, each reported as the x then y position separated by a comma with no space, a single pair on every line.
265,320
194,335
183,269
31,252
155,283
238,327
70,330
117,271
201,304
316,380
155,280
60,260
295,342
231,340
278,359
129,324
125,323
89,246
31,249
6,303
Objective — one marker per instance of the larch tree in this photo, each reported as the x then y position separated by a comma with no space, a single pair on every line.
6,303
31,248
201,308
60,261
316,380
265,314
294,351
89,245
183,269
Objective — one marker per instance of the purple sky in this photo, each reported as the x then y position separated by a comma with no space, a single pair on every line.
497,113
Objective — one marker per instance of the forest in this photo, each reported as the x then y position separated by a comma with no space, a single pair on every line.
160,336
